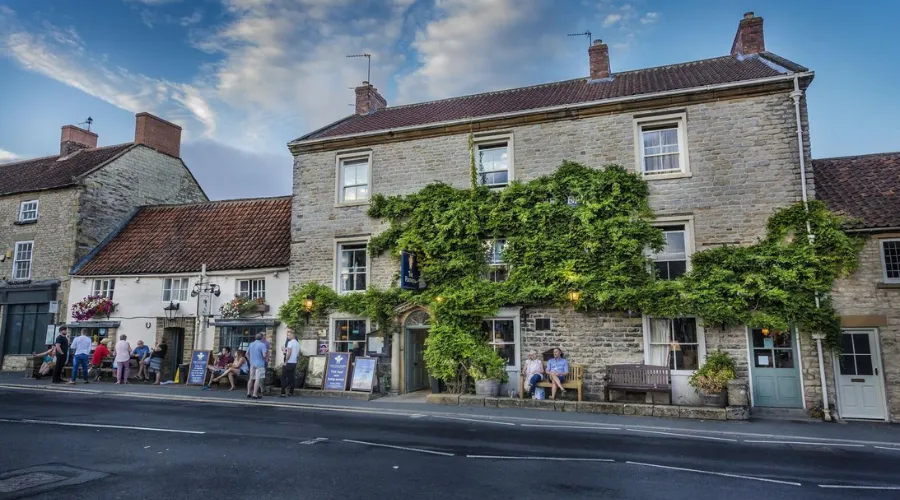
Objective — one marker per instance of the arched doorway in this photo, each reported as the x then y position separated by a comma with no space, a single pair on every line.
416,331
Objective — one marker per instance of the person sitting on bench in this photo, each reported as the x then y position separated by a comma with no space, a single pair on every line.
534,372
222,361
48,361
239,366
557,369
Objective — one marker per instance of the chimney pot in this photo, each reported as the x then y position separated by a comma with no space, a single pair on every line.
749,37
368,99
598,55
154,132
75,138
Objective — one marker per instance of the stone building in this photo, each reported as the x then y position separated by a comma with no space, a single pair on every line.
55,209
865,378
170,268
722,143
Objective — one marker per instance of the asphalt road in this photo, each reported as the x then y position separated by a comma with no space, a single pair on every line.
131,448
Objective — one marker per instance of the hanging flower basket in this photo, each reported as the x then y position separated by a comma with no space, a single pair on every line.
237,307
91,306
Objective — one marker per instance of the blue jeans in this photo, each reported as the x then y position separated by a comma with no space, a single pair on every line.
534,381
81,360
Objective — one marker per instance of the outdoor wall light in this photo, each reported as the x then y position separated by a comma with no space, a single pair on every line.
574,296
765,332
209,288
439,299
307,307
171,310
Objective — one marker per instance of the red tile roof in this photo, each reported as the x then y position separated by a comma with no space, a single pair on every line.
866,188
689,75
231,234
51,172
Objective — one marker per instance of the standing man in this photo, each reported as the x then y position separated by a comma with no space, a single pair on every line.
257,353
61,349
289,371
82,347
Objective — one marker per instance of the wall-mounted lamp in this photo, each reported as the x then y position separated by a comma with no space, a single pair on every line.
439,299
574,296
765,332
307,307
206,288
171,310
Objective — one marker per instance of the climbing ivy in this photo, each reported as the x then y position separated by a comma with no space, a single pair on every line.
586,231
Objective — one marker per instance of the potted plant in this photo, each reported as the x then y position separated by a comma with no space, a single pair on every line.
711,380
91,306
489,371
235,307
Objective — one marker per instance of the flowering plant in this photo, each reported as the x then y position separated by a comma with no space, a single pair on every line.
91,306
236,307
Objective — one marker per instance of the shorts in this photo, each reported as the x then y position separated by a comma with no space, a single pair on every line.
257,373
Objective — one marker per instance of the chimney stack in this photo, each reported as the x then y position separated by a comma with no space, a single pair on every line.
368,100
598,54
749,37
156,133
74,138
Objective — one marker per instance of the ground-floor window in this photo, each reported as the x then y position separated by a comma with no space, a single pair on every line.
238,338
350,336
501,335
673,342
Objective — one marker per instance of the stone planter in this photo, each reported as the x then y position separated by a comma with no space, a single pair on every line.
488,388
715,400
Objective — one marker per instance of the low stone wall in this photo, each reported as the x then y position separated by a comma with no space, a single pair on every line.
636,409
15,362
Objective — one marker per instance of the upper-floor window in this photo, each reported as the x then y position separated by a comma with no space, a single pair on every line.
22,260
104,288
28,211
890,260
662,146
672,261
494,161
175,289
498,269
352,273
252,289
353,178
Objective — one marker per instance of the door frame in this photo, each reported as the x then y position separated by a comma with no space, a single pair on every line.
798,354
877,353
407,371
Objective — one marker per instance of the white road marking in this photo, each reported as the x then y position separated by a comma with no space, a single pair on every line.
558,459
886,448
101,426
810,443
724,474
314,441
683,435
562,426
477,421
420,450
842,487
417,415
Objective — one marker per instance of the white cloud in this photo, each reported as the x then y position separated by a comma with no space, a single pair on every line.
650,18
611,19
148,18
7,156
194,18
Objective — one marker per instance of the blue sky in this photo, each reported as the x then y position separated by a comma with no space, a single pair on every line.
243,77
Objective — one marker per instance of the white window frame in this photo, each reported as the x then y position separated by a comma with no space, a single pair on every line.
105,287
688,223
494,261
701,343
259,293
183,282
332,321
680,121
340,158
492,140
339,244
22,211
881,251
510,314
16,260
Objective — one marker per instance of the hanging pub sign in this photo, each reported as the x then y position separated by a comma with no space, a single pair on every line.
409,272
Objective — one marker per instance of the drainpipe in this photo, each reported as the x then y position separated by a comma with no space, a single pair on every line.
796,95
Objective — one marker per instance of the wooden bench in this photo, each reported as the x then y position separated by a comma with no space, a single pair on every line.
638,378
574,380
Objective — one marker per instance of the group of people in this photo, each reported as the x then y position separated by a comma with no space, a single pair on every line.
149,361
556,372
253,363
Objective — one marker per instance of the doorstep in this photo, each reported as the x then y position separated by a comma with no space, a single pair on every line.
318,393
636,409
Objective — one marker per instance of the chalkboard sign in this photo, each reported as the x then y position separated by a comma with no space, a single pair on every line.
337,371
363,374
315,372
197,372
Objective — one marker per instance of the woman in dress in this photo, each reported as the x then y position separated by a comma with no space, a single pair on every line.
534,372
123,360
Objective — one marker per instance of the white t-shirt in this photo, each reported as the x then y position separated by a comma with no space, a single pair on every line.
123,351
82,345
294,346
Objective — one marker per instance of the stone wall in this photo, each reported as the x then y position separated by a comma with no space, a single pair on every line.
141,176
186,324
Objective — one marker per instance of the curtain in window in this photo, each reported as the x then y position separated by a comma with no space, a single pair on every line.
660,335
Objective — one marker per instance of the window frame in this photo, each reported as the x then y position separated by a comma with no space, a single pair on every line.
16,260
22,211
701,342
510,314
339,245
494,263
185,281
97,287
233,331
680,121
689,248
339,159
251,294
883,255
495,139
332,333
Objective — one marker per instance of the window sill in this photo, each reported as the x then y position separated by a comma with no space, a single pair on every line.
24,222
354,204
674,175
888,286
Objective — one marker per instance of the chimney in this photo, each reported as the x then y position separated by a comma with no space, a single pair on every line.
598,54
156,133
749,37
368,100
74,139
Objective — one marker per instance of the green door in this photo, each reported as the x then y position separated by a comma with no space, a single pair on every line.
775,369
416,374
25,328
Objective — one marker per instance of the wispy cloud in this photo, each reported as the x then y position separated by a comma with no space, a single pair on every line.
148,17
650,18
7,156
194,18
611,19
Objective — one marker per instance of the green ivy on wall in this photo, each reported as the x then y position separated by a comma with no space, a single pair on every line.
582,236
